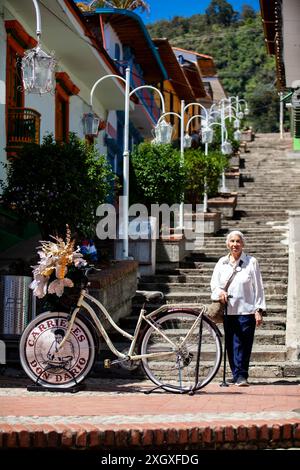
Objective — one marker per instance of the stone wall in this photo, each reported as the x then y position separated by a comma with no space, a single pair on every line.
115,286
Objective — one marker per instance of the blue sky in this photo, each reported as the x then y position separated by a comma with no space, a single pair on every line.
167,9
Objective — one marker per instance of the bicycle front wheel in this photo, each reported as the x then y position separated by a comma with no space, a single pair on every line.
191,358
44,362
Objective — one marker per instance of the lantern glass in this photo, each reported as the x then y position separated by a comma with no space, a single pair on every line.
163,132
237,135
236,123
187,142
226,148
207,135
90,123
38,71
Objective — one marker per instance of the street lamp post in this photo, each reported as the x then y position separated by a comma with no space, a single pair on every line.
38,66
87,116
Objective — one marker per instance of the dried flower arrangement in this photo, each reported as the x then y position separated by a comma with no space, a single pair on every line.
55,257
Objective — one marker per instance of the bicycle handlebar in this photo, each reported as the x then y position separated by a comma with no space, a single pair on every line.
89,268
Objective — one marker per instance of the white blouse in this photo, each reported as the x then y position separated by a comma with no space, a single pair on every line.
246,288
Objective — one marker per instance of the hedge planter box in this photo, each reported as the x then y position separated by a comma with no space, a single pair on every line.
224,204
171,249
235,160
208,223
212,223
115,286
247,136
233,179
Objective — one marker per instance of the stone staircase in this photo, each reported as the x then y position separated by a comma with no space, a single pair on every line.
270,185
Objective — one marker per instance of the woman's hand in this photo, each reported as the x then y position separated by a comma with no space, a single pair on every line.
223,296
258,318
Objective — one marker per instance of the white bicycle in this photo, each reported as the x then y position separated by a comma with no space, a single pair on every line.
179,347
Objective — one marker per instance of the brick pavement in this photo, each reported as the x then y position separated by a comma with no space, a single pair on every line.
116,415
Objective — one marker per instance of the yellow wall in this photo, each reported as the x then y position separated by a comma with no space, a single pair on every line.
171,96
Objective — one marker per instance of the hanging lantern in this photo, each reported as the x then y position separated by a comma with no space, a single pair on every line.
237,135
187,141
236,123
38,71
246,111
207,135
90,123
163,132
240,114
226,148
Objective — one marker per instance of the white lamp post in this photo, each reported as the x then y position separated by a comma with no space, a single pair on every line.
38,66
93,117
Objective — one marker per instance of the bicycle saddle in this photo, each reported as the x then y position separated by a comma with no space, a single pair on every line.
150,295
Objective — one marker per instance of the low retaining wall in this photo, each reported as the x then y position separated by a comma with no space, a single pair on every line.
115,286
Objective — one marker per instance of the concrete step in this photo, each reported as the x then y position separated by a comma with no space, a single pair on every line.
270,289
196,297
209,266
204,277
260,352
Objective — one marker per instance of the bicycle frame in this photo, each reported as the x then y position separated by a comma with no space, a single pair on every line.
142,316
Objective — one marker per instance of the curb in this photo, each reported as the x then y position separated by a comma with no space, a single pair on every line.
88,437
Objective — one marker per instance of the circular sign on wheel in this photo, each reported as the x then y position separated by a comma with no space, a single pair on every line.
45,361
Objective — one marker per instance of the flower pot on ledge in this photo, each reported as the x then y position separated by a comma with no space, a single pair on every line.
235,160
170,249
233,179
247,135
210,224
224,203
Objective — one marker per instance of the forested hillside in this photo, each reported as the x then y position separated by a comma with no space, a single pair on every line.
236,43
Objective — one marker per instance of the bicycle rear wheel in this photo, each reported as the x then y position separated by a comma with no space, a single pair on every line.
48,367
183,369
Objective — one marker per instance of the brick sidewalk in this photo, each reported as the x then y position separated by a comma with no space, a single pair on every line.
111,415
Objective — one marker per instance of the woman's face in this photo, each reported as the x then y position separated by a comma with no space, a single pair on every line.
235,245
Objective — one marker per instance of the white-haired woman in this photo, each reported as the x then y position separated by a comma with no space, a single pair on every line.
245,303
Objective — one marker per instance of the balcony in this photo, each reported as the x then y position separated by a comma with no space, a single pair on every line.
23,127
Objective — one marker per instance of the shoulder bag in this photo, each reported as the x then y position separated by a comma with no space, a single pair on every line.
215,311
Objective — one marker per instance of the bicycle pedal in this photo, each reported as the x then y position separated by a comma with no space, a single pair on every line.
107,363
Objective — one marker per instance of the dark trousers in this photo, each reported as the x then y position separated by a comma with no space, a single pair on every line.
239,334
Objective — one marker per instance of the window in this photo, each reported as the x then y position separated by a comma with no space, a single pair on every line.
15,114
61,114
64,89
17,42
117,52
172,117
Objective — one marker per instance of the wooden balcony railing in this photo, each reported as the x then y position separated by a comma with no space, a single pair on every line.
23,127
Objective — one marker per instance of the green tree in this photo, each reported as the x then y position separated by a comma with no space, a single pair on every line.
221,12
248,12
200,168
55,183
